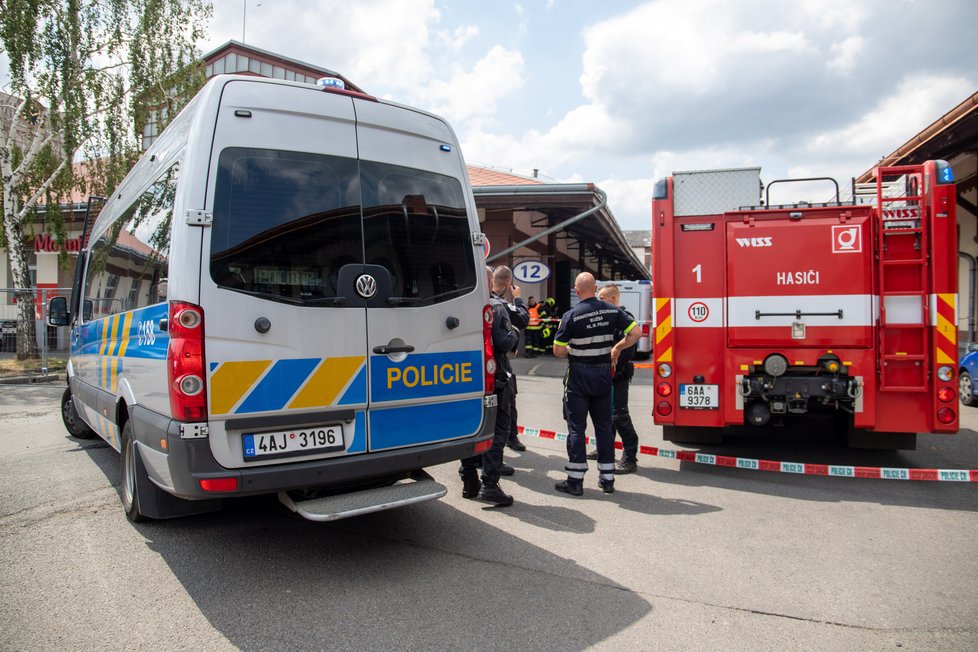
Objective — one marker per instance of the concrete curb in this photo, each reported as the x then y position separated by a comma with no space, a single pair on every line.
31,380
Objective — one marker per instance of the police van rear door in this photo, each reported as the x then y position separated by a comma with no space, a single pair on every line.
285,341
424,329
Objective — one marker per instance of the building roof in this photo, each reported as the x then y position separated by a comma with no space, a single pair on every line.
238,46
573,211
479,176
954,133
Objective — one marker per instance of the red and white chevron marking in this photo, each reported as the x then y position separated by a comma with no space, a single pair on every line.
872,472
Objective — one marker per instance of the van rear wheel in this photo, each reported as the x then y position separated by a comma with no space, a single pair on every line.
133,476
73,423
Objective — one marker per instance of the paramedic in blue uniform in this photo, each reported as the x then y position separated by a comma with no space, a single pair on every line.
519,316
586,336
504,340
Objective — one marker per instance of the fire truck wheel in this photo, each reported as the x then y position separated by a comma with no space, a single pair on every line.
73,423
692,434
966,389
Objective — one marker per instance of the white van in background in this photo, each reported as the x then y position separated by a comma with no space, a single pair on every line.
285,295
636,298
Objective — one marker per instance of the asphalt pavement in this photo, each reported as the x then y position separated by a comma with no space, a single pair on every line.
681,556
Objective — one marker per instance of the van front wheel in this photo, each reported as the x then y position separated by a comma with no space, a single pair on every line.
73,423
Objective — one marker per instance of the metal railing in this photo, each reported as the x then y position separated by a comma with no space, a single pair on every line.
49,338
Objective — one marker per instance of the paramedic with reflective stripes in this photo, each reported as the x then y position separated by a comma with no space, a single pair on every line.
586,336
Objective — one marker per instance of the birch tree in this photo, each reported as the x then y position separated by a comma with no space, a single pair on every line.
85,76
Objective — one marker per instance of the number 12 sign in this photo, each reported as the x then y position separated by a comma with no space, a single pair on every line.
531,271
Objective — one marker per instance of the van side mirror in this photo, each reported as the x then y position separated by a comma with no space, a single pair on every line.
88,307
58,311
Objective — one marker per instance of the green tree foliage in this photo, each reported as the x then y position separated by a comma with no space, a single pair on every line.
85,77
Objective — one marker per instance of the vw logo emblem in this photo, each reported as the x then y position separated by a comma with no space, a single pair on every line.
366,286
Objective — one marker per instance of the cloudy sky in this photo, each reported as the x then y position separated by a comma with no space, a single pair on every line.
622,92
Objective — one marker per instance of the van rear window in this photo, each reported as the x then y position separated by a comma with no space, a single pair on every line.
285,223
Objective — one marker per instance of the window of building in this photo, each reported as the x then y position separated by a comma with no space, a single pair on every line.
242,63
254,65
209,70
278,72
219,66
231,62
266,69
290,75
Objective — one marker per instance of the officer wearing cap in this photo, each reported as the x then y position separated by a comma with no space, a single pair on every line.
586,336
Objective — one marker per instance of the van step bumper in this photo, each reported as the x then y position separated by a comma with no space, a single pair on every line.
333,508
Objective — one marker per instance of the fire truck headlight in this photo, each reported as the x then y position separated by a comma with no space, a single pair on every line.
775,365
664,370
832,366
946,373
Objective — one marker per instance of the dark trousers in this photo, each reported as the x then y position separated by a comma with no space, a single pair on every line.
492,459
587,391
534,340
622,421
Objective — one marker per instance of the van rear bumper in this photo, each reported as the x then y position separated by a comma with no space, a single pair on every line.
190,461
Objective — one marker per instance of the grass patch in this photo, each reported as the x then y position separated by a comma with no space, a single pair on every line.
14,367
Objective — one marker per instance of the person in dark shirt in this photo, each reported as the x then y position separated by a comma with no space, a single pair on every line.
621,379
586,336
519,316
504,340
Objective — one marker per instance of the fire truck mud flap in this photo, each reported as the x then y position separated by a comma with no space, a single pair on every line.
420,488
692,434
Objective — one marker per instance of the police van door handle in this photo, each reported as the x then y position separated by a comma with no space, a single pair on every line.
387,350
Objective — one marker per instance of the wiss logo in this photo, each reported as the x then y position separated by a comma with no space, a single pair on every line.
755,242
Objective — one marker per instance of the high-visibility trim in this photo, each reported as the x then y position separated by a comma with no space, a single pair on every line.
946,331
630,327
663,330
559,343
857,310
326,383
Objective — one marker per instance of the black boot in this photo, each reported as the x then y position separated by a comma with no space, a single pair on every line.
470,487
568,487
492,494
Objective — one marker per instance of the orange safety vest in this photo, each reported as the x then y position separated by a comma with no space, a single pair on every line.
534,317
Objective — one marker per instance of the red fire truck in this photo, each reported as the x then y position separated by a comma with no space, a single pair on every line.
845,311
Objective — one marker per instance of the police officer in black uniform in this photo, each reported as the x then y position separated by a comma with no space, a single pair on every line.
519,316
586,336
504,340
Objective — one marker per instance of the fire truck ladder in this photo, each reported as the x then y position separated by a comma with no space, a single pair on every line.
904,283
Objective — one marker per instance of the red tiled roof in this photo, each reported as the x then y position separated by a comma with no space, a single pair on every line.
486,177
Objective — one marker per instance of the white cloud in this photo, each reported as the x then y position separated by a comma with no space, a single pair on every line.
458,38
378,44
845,54
916,102
471,96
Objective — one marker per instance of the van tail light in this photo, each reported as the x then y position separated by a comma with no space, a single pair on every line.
185,362
646,330
489,359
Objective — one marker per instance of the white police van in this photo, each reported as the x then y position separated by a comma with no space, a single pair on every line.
285,295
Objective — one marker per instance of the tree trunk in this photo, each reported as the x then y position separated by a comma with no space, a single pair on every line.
21,281
26,313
